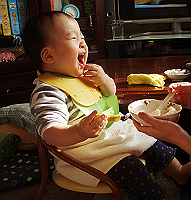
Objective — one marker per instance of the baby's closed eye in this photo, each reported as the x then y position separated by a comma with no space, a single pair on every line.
74,38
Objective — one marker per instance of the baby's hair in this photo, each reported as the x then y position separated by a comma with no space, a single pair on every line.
36,35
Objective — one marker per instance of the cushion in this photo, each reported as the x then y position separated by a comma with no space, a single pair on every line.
8,147
28,140
23,168
20,115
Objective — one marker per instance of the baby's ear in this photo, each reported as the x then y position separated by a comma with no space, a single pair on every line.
46,55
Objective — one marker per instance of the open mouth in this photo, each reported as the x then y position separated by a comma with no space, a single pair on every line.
81,60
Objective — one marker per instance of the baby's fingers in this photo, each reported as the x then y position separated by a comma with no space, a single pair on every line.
91,117
99,124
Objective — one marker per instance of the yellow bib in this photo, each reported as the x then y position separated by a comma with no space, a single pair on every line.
82,91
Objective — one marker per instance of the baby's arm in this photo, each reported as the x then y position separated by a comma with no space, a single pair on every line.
96,74
49,106
65,135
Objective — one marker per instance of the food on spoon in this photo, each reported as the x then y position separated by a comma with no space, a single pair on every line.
110,117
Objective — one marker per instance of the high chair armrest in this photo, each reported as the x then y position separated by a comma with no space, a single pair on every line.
87,168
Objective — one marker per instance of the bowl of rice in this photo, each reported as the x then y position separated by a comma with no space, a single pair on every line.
170,112
177,74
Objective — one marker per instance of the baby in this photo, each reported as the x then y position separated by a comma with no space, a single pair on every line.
66,101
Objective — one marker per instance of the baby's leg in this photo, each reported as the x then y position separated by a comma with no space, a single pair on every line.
180,173
161,157
133,177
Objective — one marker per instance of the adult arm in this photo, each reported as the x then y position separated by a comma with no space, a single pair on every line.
165,130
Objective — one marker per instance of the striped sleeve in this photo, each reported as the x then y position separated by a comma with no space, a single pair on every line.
48,106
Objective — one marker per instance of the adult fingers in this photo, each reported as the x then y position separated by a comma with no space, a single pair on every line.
148,118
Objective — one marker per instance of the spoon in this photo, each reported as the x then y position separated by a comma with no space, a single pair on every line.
157,112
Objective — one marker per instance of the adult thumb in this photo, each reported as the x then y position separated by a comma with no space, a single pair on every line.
148,118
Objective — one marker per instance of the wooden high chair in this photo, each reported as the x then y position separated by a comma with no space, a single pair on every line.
105,186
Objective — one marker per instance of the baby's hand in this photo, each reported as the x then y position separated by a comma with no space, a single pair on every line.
89,127
95,73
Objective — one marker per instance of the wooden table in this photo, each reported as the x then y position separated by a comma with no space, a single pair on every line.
120,68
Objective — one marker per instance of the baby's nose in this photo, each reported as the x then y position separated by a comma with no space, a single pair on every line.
82,43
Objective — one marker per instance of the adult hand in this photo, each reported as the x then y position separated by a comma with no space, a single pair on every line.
183,93
164,130
161,129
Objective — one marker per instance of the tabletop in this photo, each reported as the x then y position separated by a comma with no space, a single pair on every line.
120,68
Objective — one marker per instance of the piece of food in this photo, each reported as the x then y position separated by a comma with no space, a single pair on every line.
110,117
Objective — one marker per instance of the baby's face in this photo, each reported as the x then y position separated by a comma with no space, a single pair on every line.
68,48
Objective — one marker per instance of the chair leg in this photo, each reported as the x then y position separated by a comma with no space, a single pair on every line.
41,190
44,169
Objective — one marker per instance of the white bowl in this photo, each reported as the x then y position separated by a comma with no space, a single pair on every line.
177,74
170,113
